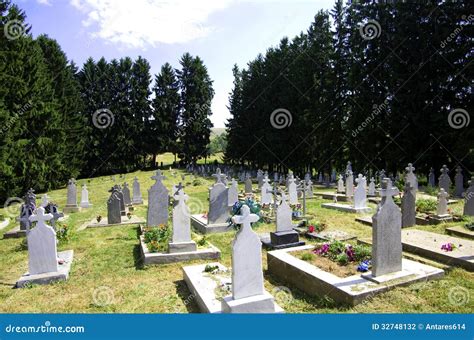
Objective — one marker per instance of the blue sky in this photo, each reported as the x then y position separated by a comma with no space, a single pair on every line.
221,32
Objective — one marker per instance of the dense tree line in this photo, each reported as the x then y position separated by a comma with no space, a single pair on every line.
380,86
59,121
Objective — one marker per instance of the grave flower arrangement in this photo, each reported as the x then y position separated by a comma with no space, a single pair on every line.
129,215
316,227
62,232
343,253
254,207
156,238
448,246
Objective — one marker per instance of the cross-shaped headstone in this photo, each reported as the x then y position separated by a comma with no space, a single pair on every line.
218,176
40,217
178,188
388,191
246,218
158,176
180,196
410,168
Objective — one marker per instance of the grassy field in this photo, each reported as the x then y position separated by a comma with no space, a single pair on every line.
107,274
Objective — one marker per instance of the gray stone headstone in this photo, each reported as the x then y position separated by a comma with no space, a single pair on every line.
458,182
233,193
283,216
119,194
410,177
381,176
126,195
181,219
408,206
349,185
42,251
114,215
266,191
432,178
386,233
158,201
360,196
340,185
85,197
137,195
247,272
371,190
248,185
442,207
444,181
71,193
292,191
469,199
218,204
27,209
260,177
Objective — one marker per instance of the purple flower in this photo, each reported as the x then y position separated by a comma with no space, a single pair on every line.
322,250
350,253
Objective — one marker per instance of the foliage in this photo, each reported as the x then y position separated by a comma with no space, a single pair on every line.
307,257
343,253
156,238
62,231
255,208
426,205
202,242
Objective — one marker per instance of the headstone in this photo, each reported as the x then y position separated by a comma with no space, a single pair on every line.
349,185
218,204
381,176
181,226
44,200
260,178
360,196
53,209
27,209
408,206
137,195
458,182
348,167
442,208
119,193
444,181
469,199
340,185
431,178
158,201
42,252
233,193
114,215
410,177
283,215
71,203
126,195
386,233
85,197
292,191
266,191
371,191
248,184
333,176
309,188
218,176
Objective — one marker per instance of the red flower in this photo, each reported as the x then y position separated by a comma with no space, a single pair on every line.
311,229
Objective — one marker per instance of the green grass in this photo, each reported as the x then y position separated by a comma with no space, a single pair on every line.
107,275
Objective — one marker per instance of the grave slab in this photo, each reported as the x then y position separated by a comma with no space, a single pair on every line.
337,235
125,221
346,208
460,231
41,279
289,239
351,290
202,286
4,223
210,253
330,196
367,220
428,244
199,223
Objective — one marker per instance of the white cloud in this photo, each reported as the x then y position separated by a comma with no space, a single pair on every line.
142,23
44,2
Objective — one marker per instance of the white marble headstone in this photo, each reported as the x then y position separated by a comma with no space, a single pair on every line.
42,251
181,219
266,191
292,190
360,196
283,216
247,273
233,192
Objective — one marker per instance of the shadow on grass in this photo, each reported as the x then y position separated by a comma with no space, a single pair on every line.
323,302
137,258
189,299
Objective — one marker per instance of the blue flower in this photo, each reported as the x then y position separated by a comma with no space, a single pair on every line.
363,266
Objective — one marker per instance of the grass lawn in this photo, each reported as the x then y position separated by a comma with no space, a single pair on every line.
107,275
